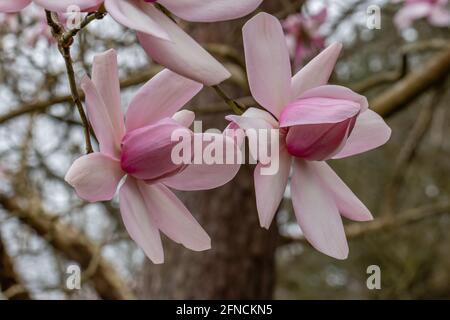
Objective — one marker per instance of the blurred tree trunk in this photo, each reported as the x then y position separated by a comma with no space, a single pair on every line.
240,264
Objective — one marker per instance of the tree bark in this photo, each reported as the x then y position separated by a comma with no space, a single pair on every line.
240,264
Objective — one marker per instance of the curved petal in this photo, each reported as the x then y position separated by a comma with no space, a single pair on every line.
182,54
269,189
317,72
254,118
138,221
172,217
147,152
206,174
95,177
348,204
160,97
10,6
105,76
410,12
132,14
318,110
63,5
268,65
108,132
370,132
439,16
184,117
211,10
316,211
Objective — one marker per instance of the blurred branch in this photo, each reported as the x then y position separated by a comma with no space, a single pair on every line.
10,283
407,217
65,40
41,106
73,244
414,84
408,151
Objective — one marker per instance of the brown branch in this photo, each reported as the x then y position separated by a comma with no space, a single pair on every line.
42,106
73,244
414,84
410,216
407,153
10,283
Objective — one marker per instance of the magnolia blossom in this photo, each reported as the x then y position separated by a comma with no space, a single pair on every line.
52,5
166,43
161,38
303,36
434,10
317,122
140,149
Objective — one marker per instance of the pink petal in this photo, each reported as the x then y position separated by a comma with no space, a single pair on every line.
316,211
103,120
319,108
63,5
105,76
172,217
133,14
95,177
268,65
211,10
205,176
254,118
159,98
9,6
147,152
318,142
439,16
370,132
182,54
184,117
348,204
269,189
317,72
411,12
138,221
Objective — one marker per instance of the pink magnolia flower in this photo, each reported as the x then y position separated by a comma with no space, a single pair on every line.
317,122
162,39
140,148
434,10
303,36
52,5
166,43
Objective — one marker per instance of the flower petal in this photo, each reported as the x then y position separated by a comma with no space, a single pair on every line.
316,211
147,152
105,76
317,72
370,132
10,6
63,5
348,204
138,221
211,10
410,12
268,65
159,98
103,121
207,175
132,14
95,177
182,54
172,217
269,189
184,117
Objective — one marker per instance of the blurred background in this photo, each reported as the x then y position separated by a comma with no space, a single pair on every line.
46,230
